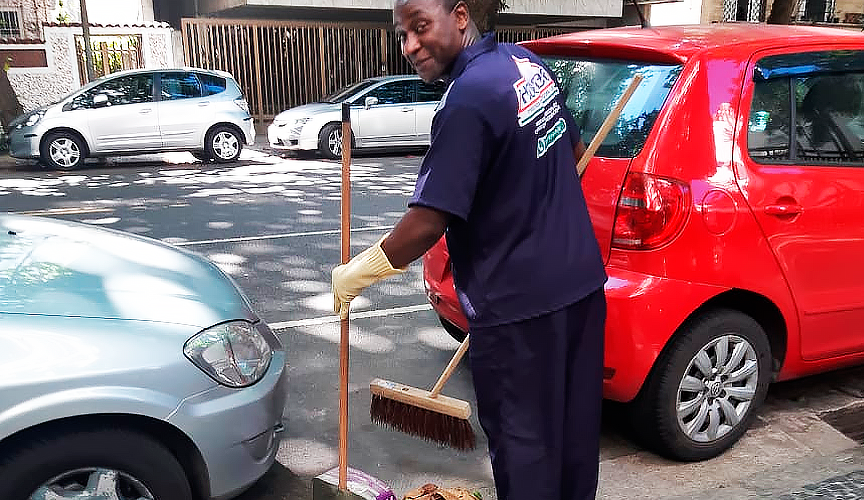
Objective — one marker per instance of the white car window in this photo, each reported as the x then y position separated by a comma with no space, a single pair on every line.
179,86
130,89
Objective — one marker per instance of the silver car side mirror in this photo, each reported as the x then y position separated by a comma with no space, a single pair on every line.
100,100
371,101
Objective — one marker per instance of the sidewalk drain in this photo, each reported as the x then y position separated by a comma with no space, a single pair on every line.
849,421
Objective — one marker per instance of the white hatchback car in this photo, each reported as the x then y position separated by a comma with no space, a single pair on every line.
387,111
136,112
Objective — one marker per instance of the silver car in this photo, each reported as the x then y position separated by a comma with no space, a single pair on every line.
135,112
385,112
130,369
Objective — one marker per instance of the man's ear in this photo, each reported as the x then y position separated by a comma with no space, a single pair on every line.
463,16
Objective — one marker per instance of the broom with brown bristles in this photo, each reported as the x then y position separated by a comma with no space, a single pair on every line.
428,414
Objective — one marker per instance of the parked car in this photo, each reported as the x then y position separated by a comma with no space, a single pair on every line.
385,112
726,202
135,112
129,369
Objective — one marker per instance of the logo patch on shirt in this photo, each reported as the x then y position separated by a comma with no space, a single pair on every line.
443,100
551,137
534,90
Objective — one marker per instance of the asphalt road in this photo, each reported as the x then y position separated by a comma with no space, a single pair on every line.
273,225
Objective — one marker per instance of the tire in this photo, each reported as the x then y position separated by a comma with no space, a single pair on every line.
223,144
452,329
330,141
715,410
134,464
63,151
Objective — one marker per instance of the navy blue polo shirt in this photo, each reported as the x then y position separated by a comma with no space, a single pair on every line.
502,163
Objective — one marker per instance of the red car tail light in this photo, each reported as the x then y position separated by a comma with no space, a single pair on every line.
651,211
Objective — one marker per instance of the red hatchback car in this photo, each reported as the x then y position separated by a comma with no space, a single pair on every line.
728,203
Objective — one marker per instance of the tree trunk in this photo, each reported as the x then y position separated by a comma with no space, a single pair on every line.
9,105
485,13
781,12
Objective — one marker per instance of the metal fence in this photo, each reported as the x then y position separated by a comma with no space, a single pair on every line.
284,64
110,54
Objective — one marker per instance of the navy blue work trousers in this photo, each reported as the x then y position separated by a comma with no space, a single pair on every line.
538,385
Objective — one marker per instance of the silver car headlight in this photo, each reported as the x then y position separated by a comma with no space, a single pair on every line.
33,119
232,353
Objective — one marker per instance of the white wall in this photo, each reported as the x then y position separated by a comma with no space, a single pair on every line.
610,8
686,12
39,86
111,11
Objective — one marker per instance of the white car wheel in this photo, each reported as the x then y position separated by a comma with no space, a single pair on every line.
224,144
63,151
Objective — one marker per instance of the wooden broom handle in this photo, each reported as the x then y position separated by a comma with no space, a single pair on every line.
450,367
607,124
345,231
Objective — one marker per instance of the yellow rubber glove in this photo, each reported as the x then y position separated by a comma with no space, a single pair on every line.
367,267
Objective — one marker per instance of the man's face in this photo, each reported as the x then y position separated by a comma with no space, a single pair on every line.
430,35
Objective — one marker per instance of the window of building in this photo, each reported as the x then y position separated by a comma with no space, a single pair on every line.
743,10
10,26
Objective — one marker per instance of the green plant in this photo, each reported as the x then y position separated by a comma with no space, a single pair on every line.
62,15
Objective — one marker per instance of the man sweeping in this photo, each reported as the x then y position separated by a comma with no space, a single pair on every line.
499,178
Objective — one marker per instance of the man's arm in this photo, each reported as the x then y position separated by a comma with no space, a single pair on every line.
416,232
579,150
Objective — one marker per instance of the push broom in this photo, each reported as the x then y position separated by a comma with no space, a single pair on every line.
429,414
342,483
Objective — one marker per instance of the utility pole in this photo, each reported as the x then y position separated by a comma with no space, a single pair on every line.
88,49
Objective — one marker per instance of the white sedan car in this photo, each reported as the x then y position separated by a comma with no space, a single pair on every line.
386,111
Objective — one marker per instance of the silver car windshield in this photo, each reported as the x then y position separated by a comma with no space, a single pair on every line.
345,93
593,87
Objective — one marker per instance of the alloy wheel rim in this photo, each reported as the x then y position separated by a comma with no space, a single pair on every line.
225,145
93,483
717,389
334,141
64,152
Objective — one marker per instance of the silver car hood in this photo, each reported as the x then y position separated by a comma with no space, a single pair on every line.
59,268
307,110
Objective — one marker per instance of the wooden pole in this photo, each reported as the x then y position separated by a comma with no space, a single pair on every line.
88,51
345,227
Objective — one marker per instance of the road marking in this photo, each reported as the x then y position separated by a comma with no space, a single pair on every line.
278,236
64,211
283,325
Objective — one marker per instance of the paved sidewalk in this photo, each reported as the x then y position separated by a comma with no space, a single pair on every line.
836,477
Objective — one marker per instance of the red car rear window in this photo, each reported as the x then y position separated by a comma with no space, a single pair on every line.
593,86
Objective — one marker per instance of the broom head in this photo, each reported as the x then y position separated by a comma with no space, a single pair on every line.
439,418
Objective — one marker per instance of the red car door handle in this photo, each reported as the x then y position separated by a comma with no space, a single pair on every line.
783,210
